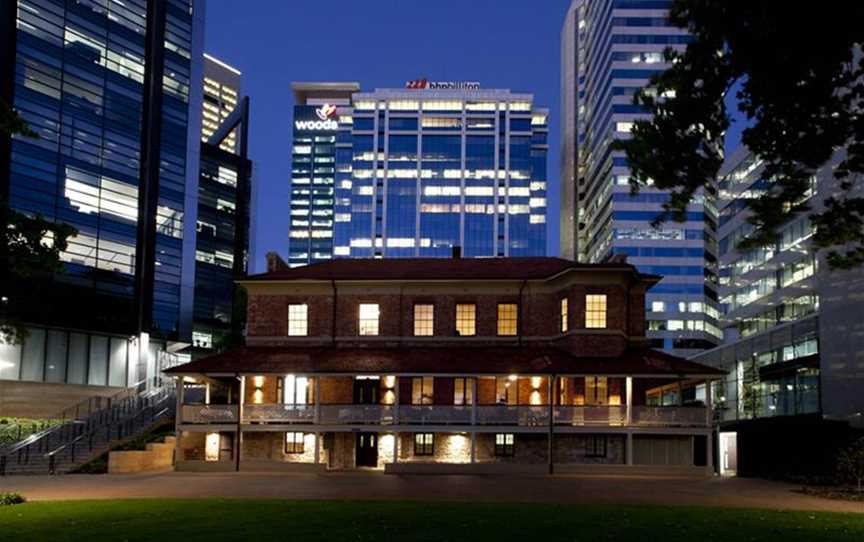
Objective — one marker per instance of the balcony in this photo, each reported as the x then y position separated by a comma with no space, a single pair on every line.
439,415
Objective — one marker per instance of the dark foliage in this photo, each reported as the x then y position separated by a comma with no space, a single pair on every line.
800,74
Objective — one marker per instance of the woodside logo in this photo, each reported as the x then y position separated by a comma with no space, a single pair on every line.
326,123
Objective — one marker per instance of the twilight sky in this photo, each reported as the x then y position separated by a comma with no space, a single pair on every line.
511,44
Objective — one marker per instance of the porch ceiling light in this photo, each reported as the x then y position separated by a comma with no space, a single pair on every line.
512,378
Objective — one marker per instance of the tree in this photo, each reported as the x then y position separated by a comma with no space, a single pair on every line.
850,464
800,71
30,245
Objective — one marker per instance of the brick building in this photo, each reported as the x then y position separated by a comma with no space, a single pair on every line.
445,365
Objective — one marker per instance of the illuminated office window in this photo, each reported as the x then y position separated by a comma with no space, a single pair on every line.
298,323
424,320
508,318
564,315
422,390
466,319
368,319
595,311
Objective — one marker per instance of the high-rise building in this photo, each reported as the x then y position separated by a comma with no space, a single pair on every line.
610,48
421,171
113,91
221,94
223,211
313,167
793,328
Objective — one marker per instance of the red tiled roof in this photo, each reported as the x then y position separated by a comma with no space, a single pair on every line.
435,269
440,360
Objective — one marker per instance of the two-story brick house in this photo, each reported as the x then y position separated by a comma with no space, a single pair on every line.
445,365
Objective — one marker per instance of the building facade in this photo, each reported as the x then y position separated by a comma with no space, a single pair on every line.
114,93
610,49
445,365
422,170
793,353
223,212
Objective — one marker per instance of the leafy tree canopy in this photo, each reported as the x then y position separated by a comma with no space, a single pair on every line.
799,69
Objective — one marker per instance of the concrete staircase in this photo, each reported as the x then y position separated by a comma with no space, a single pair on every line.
64,447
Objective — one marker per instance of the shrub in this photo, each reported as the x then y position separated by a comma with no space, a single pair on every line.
8,499
850,464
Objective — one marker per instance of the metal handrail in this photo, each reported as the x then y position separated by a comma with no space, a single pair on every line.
115,415
77,408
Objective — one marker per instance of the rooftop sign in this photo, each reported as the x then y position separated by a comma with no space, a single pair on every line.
418,84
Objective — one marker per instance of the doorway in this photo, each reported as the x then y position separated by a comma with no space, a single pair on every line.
367,450
728,443
366,391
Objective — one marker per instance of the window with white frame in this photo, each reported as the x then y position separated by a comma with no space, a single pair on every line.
564,315
595,311
424,320
508,319
368,319
298,322
466,319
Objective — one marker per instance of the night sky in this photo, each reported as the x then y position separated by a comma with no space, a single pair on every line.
511,44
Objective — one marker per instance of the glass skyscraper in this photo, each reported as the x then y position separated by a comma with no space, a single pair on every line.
313,167
793,348
223,212
422,170
113,90
610,48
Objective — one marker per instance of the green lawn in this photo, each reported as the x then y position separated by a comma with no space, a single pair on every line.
253,520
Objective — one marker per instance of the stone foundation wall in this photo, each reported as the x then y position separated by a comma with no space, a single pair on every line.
448,448
158,456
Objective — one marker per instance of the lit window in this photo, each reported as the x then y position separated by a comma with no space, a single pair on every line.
595,311
424,320
564,315
422,390
508,318
202,340
504,445
596,390
463,392
658,306
624,127
506,390
424,443
368,319
466,319
293,443
298,323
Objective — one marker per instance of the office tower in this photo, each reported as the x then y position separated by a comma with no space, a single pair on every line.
793,329
421,171
609,50
221,93
113,91
313,167
223,213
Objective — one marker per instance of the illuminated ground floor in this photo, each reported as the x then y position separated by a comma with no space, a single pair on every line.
437,451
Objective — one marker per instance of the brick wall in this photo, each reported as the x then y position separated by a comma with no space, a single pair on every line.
337,390
539,314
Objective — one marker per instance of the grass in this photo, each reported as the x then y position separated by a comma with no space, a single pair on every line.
221,519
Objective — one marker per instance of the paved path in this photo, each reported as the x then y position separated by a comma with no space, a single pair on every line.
723,492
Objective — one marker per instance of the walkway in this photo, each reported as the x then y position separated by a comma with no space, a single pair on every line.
723,492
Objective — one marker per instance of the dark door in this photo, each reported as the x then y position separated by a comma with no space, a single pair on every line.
367,450
366,391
